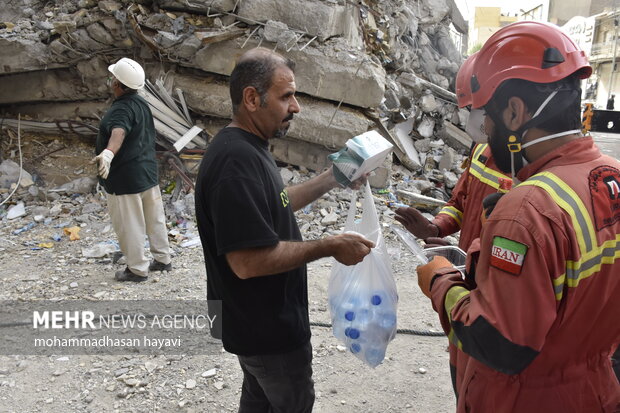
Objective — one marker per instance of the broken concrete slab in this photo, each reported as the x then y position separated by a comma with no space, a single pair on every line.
328,19
323,72
434,12
20,54
76,110
417,85
295,152
454,136
209,6
49,85
404,141
312,124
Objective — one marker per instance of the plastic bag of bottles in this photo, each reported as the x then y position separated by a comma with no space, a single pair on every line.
363,297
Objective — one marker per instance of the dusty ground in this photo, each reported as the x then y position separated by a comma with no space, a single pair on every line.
413,378
89,383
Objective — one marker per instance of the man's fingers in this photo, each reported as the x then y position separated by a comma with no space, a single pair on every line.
368,243
401,220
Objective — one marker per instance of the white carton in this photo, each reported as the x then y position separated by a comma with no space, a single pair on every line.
361,154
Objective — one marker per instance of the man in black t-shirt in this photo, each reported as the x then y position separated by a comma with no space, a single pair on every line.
254,253
128,172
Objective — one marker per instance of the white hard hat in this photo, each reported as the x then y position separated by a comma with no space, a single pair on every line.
128,72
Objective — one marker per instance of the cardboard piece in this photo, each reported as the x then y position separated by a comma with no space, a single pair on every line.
361,154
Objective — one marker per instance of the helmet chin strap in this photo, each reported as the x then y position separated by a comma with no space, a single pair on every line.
514,144
549,137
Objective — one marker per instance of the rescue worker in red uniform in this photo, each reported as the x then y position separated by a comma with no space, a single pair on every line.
541,323
463,211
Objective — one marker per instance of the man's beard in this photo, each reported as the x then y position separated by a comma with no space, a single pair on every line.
280,133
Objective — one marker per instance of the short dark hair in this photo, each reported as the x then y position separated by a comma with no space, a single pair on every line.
534,94
255,69
126,88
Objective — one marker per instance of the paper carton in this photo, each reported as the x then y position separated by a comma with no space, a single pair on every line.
360,155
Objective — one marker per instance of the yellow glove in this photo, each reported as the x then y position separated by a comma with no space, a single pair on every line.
427,272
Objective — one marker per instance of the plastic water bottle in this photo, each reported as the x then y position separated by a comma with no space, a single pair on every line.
374,355
355,348
338,327
377,298
352,333
387,320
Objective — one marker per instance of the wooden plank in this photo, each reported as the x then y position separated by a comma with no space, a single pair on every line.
185,139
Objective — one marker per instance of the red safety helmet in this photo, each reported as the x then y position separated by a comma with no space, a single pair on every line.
534,51
463,81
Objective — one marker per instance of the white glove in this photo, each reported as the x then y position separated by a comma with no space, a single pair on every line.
104,159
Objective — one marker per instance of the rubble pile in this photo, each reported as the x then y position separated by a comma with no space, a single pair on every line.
359,66
385,65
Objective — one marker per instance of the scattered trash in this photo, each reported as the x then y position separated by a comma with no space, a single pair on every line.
100,250
16,211
73,233
192,242
24,228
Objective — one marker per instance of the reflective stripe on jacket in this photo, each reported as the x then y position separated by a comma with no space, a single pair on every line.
462,212
543,320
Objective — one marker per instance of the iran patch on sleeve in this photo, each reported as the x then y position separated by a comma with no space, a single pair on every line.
508,255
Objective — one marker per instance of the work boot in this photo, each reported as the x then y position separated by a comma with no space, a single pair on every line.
127,275
159,266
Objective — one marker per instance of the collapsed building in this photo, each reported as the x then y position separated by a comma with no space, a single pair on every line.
370,64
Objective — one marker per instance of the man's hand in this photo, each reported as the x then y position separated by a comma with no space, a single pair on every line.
359,182
435,242
414,221
103,160
427,272
351,248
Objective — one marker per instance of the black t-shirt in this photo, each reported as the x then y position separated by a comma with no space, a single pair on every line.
241,203
134,167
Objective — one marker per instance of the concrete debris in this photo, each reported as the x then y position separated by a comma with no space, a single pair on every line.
397,36
387,65
420,201
16,211
426,128
10,173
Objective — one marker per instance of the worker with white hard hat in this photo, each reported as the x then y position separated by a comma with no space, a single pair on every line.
127,169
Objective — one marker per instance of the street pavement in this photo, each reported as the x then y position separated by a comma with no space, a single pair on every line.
609,143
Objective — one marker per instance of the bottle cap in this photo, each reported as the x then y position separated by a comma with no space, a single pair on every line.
353,333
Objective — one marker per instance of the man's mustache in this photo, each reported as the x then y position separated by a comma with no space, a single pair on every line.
288,118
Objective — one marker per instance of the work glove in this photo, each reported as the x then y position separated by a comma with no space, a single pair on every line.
427,272
416,223
103,160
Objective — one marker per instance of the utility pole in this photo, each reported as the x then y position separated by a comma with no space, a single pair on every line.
613,61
